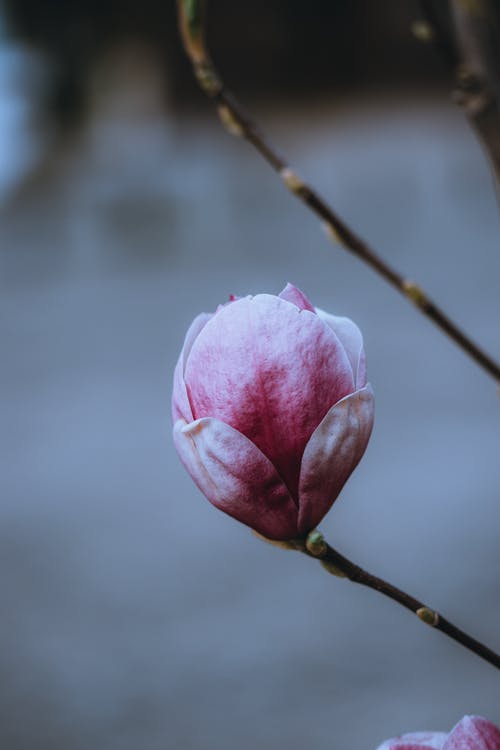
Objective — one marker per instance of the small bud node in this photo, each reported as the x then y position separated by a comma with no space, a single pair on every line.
331,232
415,293
428,616
423,31
292,180
315,544
229,121
208,78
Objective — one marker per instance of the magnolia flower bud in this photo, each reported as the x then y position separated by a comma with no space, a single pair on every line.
271,410
471,733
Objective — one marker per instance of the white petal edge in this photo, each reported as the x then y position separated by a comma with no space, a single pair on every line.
429,740
236,476
181,408
352,340
332,453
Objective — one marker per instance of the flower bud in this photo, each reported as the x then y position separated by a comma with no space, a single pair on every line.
271,410
471,733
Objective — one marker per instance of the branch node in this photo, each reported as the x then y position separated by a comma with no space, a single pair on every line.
467,79
415,294
315,544
423,31
208,79
292,181
332,233
429,616
229,121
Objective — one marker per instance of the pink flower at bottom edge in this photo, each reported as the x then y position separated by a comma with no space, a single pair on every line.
471,733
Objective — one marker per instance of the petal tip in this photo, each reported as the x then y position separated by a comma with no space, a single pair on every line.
192,428
296,297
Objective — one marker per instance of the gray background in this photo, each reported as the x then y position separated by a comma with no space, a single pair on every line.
134,615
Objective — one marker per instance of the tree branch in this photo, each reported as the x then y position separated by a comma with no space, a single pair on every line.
192,31
471,47
315,546
478,37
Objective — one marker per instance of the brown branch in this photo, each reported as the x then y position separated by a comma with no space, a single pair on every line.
470,46
315,546
192,32
438,33
478,35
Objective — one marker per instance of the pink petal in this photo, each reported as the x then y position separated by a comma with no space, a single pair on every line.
181,408
332,453
236,477
473,733
291,294
352,340
416,741
272,372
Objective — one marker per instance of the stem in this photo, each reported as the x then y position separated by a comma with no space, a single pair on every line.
315,546
478,36
439,35
470,48
192,28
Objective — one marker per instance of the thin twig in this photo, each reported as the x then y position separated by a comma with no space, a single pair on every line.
439,34
470,47
315,546
192,32
478,37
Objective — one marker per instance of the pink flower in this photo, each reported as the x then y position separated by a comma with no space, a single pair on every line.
416,741
271,410
471,733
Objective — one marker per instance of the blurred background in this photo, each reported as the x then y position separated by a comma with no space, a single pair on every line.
134,615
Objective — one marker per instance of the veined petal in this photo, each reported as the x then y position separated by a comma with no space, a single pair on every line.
181,408
291,294
473,733
272,372
332,453
416,741
352,341
236,477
